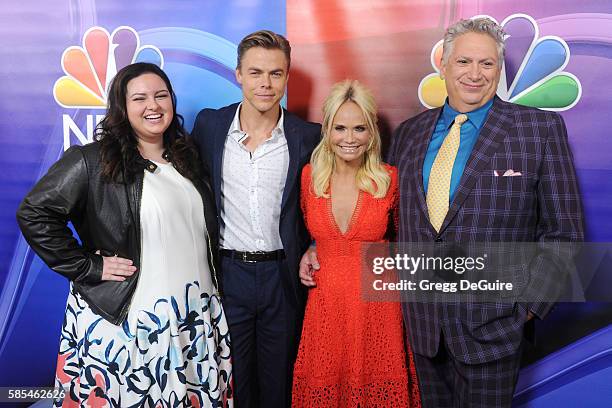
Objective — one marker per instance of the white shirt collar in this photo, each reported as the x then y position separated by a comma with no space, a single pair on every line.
236,132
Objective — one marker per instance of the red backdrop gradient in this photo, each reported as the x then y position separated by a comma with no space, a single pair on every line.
384,44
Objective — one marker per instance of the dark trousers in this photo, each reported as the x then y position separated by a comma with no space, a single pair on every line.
445,382
263,328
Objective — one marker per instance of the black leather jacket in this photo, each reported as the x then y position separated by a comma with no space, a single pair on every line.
106,217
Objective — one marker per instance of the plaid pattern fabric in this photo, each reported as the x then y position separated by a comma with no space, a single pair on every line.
445,383
541,204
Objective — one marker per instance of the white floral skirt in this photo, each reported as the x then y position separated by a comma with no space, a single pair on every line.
176,354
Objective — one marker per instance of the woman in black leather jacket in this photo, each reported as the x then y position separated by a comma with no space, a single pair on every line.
144,322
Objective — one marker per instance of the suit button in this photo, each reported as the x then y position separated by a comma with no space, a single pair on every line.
439,239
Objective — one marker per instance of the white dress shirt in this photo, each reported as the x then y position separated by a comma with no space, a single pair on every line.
252,187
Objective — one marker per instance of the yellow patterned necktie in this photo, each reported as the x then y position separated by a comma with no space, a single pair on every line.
438,187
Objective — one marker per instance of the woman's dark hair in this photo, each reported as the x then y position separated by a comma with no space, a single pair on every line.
118,143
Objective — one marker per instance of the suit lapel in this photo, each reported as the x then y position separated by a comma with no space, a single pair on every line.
422,143
490,138
220,135
294,139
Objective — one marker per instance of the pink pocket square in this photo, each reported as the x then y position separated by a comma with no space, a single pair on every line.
507,173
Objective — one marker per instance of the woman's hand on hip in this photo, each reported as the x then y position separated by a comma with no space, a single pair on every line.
116,268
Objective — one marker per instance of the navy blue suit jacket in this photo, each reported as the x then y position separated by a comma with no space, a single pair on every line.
541,205
210,132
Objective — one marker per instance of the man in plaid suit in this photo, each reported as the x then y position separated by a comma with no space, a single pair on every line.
512,180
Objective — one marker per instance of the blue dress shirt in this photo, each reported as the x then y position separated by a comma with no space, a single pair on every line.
469,134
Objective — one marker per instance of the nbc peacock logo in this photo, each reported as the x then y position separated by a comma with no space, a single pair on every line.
90,68
532,74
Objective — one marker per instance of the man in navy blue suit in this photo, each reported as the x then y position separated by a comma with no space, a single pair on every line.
482,170
255,151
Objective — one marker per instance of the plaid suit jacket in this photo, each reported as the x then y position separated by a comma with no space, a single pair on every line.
542,205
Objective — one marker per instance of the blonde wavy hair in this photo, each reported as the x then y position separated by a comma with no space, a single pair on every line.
372,176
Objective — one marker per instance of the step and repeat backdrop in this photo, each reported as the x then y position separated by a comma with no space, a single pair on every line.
58,58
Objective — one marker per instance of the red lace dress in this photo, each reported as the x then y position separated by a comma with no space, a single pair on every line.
351,353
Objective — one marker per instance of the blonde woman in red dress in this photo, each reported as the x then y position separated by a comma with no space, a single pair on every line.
351,352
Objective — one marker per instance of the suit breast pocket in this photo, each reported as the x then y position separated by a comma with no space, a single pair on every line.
508,194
